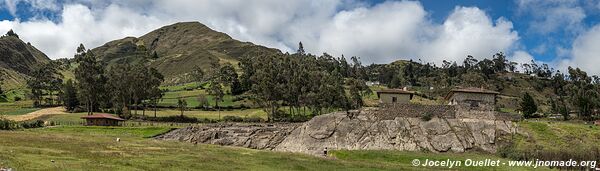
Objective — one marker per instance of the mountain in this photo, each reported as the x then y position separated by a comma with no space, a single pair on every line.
17,60
176,49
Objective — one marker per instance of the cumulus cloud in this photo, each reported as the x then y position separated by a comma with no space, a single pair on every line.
80,25
377,33
585,51
469,31
549,16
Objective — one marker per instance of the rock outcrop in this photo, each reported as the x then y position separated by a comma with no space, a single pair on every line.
365,130
256,136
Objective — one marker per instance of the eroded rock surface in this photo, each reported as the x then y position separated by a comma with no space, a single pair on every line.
256,136
365,130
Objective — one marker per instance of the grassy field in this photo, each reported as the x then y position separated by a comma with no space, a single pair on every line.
558,136
95,148
16,108
76,117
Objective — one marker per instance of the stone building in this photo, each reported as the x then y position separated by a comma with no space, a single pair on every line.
474,98
394,96
102,119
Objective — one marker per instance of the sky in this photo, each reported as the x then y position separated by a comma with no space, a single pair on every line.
560,33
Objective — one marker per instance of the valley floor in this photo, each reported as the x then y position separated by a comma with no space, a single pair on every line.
96,148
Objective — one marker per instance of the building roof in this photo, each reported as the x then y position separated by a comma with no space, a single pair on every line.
394,91
470,90
102,116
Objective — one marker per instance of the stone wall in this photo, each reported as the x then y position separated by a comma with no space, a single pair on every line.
255,136
365,130
391,111
474,101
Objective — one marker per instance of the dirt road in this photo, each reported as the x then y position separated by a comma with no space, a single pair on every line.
36,114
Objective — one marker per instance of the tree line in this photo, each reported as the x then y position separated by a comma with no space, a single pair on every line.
304,83
573,91
119,88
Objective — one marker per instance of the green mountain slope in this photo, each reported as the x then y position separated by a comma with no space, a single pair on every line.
17,59
178,48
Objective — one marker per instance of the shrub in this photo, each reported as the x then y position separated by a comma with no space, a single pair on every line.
232,119
426,116
180,119
33,124
253,119
6,124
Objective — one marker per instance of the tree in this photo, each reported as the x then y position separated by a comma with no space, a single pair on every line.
69,96
182,105
300,49
358,89
500,62
558,84
91,79
409,73
528,105
216,91
153,87
584,94
120,85
217,76
227,75
12,33
202,101
45,80
2,95
470,63
139,78
198,74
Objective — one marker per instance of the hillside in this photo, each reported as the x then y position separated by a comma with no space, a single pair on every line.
17,59
178,48
435,82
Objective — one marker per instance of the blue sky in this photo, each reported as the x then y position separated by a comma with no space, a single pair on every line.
558,32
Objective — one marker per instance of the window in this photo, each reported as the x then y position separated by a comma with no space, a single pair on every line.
394,99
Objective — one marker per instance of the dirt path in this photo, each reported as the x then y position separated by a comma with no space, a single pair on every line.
36,114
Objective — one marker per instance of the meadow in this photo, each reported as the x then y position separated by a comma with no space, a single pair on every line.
96,148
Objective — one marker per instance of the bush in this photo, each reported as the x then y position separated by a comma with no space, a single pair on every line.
253,119
33,124
232,119
6,124
180,119
426,116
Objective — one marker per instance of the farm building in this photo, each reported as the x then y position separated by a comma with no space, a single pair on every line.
102,119
472,97
394,96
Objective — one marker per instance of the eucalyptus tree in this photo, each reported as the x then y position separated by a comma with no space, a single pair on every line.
90,79
45,80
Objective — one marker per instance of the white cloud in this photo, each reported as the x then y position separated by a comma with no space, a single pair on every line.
521,57
469,31
382,33
585,52
80,25
549,16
